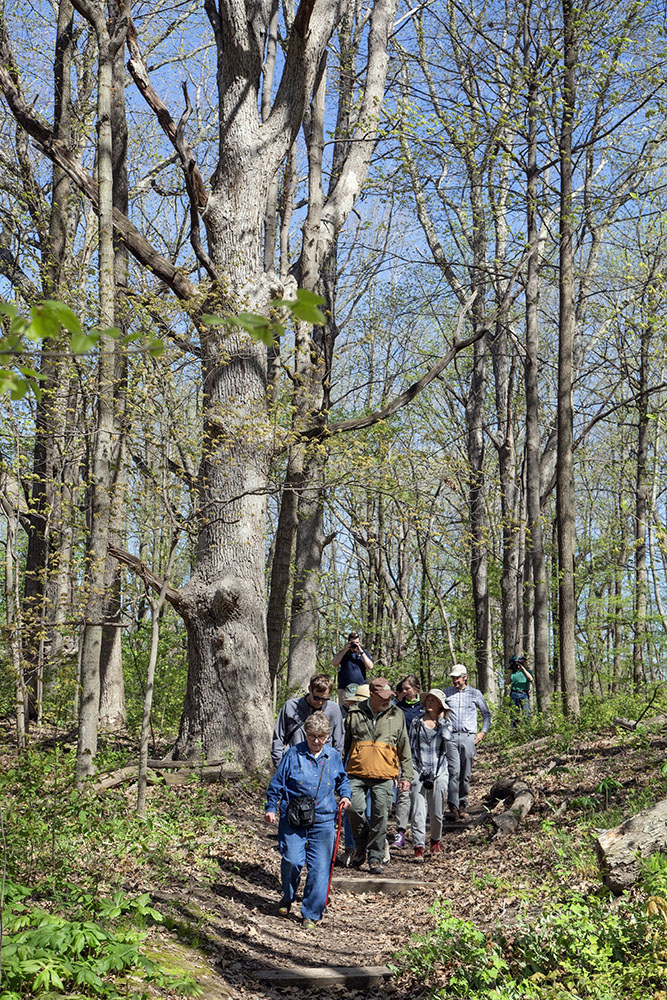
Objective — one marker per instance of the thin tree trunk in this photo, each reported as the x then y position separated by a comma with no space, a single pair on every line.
535,536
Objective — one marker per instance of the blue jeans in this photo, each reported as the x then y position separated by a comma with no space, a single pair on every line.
312,847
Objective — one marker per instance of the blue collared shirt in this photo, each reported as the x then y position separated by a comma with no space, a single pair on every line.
465,705
299,774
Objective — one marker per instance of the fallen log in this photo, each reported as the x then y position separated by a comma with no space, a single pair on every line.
518,800
621,849
208,772
631,725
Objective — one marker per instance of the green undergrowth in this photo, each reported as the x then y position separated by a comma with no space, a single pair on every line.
81,946
579,947
73,925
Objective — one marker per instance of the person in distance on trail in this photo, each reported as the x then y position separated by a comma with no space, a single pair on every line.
464,702
311,768
521,679
429,734
376,749
289,728
408,700
352,662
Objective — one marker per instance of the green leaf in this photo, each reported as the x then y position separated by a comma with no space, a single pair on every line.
257,326
63,315
81,343
43,324
209,319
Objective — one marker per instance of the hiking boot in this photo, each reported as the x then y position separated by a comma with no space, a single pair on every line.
436,847
419,855
309,925
284,906
453,811
357,859
462,809
376,869
347,857
399,840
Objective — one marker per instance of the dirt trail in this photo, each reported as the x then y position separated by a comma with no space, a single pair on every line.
233,916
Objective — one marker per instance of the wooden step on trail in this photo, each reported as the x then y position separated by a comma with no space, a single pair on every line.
354,977
378,883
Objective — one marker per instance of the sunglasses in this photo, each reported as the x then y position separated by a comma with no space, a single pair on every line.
319,697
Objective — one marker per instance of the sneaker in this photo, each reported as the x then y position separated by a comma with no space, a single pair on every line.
376,869
357,859
309,925
436,847
283,908
387,856
419,855
399,840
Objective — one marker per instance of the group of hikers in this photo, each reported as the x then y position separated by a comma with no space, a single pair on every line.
378,747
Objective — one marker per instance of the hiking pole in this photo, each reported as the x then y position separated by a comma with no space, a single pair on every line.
335,850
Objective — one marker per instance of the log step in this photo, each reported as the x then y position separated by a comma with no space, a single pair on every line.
377,883
354,977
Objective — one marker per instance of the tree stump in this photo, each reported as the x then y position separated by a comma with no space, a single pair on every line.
619,850
518,803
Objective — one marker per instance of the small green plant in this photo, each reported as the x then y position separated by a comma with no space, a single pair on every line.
89,953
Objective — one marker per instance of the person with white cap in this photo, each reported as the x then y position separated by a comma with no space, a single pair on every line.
465,702
377,749
429,735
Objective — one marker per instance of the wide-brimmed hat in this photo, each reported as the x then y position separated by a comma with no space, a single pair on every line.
440,695
361,692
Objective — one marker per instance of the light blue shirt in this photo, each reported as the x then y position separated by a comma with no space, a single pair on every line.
465,705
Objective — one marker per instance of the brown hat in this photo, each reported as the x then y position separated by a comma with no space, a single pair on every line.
381,686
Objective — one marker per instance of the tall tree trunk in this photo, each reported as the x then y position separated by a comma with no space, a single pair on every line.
565,465
102,452
641,507
535,537
112,685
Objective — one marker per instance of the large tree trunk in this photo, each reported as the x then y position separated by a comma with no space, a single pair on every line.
565,464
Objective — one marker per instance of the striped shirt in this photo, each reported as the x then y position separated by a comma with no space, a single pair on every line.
464,705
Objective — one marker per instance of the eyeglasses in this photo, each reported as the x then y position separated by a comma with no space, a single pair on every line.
319,697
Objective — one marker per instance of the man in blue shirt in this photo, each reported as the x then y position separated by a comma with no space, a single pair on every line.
352,662
465,702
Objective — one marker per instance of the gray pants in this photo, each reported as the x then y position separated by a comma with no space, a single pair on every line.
433,800
460,753
403,809
371,836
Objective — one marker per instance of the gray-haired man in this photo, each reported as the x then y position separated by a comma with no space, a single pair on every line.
465,702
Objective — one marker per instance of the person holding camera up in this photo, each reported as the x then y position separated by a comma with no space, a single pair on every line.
352,662
428,744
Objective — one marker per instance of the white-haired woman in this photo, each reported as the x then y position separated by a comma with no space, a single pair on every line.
312,768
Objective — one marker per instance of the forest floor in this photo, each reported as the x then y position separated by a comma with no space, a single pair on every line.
221,893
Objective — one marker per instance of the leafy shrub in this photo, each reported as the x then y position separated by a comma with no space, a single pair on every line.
589,948
44,951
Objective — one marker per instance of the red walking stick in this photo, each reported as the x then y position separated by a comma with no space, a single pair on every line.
335,850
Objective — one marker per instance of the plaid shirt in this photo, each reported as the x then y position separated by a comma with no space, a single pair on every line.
464,705
428,746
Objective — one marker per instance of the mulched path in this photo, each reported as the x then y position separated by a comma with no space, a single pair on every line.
486,879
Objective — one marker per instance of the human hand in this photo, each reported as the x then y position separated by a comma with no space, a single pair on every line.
345,802
269,817
405,785
478,738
